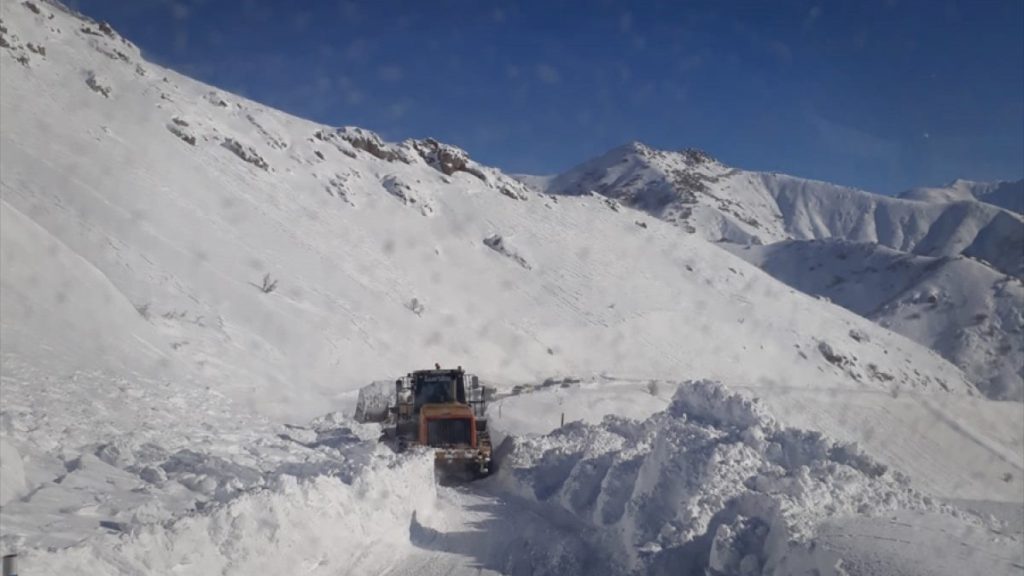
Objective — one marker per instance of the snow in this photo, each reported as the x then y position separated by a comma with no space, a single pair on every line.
317,526
715,481
12,473
1008,195
539,183
187,240
196,287
800,218
962,309
720,203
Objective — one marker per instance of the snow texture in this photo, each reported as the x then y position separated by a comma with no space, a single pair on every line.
162,412
713,484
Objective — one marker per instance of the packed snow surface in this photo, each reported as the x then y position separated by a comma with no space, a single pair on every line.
195,287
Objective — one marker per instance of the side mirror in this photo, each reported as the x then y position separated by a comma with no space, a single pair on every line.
476,381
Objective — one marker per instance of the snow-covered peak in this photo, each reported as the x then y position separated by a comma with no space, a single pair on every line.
637,175
1008,195
721,203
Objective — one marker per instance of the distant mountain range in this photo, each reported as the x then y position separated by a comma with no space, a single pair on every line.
940,265
1009,195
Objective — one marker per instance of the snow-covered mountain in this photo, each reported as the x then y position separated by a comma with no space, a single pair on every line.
396,254
962,309
719,202
1008,195
191,280
739,208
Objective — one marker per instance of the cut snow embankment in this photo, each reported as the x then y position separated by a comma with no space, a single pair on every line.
714,482
327,498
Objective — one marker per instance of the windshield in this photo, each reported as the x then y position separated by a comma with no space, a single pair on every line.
433,389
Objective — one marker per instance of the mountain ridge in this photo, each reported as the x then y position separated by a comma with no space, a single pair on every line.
719,202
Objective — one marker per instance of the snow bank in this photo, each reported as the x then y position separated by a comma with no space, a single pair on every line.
309,525
12,473
713,482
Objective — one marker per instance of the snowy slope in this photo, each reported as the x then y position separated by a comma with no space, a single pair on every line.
158,385
536,182
740,208
964,310
719,202
1008,195
379,254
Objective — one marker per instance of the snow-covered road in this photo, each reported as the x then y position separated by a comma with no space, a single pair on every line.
477,530
695,476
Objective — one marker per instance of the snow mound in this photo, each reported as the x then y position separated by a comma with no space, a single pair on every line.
713,482
311,526
12,473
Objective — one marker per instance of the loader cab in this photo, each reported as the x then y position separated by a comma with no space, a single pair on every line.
438,387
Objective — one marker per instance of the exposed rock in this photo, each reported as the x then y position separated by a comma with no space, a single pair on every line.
178,127
272,140
445,158
696,156
497,243
93,82
216,100
832,356
366,141
336,188
246,153
398,189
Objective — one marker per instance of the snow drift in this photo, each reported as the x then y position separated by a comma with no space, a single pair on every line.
310,525
712,483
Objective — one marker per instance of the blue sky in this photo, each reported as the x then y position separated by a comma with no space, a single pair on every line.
883,95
